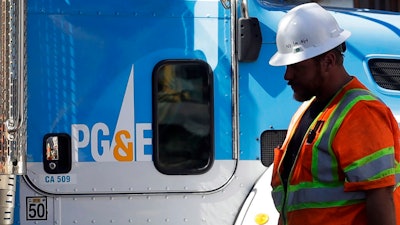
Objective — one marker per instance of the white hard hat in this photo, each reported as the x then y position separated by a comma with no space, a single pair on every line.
304,32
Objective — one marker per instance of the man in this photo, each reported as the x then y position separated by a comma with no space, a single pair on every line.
339,161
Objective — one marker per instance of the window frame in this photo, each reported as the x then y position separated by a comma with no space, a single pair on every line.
157,158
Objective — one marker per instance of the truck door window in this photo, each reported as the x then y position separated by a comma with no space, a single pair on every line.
183,117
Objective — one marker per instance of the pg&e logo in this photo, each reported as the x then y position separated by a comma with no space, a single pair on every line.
123,146
130,142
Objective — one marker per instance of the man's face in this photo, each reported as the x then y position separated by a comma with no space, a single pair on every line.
305,78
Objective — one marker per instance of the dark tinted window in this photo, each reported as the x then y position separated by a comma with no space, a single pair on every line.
182,117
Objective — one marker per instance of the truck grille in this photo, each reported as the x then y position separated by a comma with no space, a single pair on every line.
270,139
386,72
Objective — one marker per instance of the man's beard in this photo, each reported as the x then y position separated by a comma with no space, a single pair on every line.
308,94
302,98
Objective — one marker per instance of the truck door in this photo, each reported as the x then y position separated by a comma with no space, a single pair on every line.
129,97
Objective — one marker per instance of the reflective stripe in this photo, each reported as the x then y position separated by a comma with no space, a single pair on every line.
398,180
277,196
397,174
322,197
372,166
322,148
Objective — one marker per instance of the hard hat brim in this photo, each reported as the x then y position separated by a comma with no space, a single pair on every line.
279,59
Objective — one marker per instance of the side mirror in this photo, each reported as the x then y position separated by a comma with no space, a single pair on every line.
249,39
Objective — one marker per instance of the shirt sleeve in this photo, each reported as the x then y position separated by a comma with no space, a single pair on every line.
365,146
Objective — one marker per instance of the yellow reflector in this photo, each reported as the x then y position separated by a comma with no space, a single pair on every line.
261,218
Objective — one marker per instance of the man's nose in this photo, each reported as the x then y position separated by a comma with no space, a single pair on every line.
288,73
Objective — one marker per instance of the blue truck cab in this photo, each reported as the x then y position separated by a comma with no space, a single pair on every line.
157,112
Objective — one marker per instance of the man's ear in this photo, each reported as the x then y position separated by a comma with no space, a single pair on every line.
329,60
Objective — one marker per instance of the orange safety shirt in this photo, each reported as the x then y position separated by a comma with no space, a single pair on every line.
357,148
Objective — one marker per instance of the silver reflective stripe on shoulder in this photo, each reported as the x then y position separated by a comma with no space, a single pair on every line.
397,171
376,166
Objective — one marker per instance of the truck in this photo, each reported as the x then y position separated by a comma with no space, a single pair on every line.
157,112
